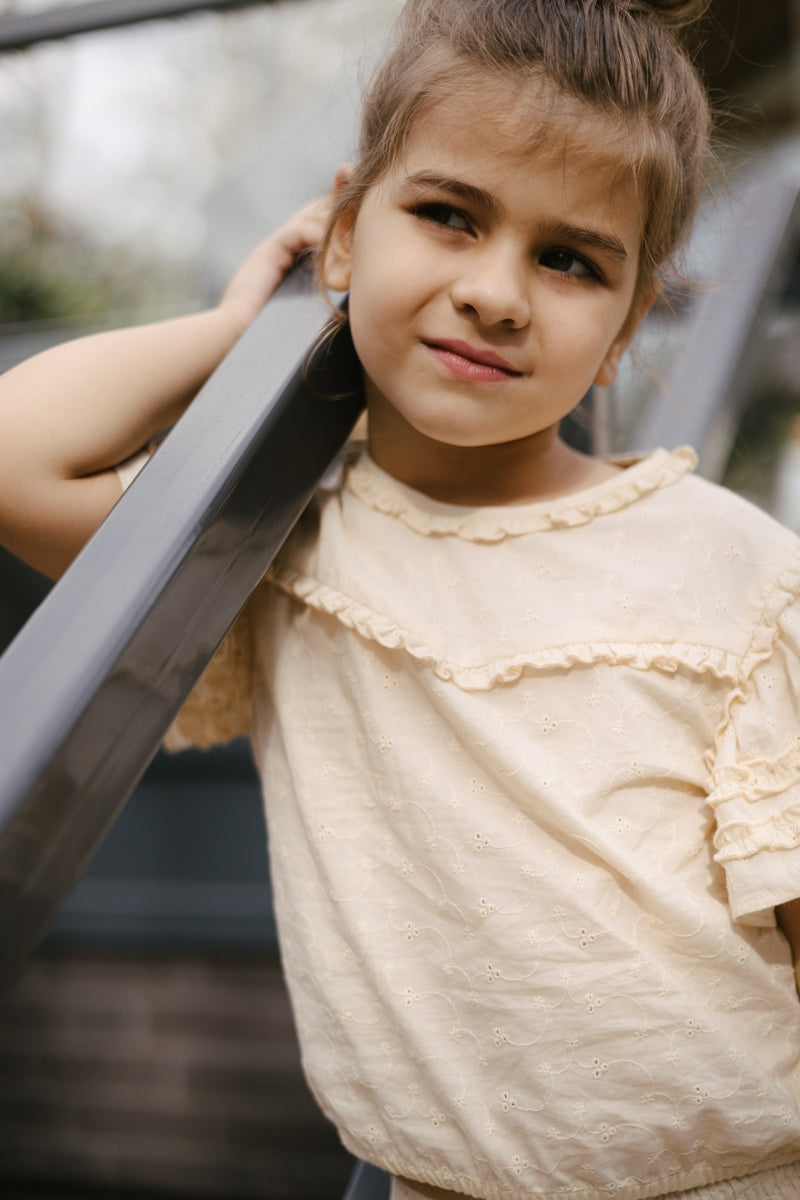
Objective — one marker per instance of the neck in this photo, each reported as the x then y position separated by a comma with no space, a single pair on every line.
534,468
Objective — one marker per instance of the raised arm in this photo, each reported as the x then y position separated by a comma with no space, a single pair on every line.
70,415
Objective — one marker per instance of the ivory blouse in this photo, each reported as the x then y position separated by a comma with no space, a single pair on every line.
532,778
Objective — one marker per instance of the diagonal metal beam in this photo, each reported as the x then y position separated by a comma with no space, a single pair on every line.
713,371
90,684
26,29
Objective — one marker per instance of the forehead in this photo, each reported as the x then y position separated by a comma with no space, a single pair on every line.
510,132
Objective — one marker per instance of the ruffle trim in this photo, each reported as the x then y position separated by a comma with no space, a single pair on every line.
738,840
753,781
366,480
483,676
766,633
758,778
765,637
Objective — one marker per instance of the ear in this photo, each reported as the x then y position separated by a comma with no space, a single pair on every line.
339,253
609,367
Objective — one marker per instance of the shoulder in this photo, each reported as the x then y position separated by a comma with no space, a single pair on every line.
737,554
699,563
737,523
721,500
701,513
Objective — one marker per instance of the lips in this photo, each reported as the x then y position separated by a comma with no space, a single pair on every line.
471,362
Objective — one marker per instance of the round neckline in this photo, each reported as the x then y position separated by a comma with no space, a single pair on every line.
640,475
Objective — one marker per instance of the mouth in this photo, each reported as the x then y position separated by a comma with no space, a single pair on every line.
471,362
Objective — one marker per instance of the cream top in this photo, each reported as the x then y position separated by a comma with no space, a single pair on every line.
532,777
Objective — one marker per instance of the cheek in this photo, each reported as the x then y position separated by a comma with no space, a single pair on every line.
581,334
573,338
389,265
379,312
367,325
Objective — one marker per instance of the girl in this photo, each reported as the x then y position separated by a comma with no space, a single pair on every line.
526,721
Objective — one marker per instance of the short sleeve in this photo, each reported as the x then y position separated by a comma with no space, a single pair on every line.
755,781
220,706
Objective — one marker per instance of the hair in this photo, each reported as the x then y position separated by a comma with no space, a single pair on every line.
623,58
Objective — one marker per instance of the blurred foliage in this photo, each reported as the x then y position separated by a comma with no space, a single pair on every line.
41,282
764,429
51,272
49,279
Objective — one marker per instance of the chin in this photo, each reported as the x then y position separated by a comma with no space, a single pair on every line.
462,439
455,431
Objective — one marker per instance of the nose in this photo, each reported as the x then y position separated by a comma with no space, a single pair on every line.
493,283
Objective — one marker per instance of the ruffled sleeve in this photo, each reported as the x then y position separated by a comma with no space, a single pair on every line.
220,706
755,781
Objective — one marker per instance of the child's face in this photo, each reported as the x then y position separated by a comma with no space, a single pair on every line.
490,283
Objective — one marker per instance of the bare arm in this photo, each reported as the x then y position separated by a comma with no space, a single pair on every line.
70,415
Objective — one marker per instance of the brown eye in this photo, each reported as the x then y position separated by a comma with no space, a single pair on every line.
443,214
567,262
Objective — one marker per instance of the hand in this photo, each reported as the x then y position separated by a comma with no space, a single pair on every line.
262,271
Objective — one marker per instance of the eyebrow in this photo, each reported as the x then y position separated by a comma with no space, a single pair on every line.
456,187
607,243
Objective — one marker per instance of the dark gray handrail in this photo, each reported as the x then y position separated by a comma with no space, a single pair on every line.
20,30
712,374
368,1182
93,680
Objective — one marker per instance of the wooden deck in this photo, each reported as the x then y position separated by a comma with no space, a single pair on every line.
125,1075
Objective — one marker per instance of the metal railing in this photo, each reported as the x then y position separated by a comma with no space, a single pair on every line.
95,676
20,30
93,680
712,374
